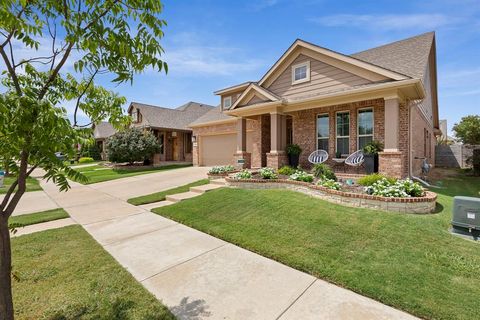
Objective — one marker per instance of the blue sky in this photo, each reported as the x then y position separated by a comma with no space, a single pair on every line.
210,45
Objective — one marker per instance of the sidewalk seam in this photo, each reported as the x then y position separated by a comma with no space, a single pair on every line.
296,299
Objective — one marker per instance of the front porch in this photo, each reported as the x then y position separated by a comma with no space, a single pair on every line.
338,129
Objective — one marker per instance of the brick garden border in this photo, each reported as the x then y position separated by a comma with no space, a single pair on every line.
421,205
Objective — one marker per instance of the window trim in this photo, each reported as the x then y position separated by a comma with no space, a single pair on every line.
299,65
316,130
373,126
229,98
336,126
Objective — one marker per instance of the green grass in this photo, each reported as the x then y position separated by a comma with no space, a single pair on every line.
32,184
64,274
38,217
160,196
408,261
95,175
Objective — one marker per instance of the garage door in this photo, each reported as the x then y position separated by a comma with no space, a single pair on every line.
219,149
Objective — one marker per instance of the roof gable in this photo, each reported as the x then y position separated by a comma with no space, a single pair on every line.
254,90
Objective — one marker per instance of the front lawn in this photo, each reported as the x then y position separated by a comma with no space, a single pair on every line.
160,196
407,261
32,184
37,217
99,173
64,274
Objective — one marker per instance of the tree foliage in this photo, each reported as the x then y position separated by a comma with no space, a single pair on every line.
468,129
50,54
132,145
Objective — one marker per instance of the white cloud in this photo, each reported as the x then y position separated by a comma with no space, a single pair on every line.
386,21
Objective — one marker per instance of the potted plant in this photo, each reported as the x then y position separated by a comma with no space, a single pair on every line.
370,153
293,152
338,155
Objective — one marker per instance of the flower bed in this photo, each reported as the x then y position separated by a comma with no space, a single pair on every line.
221,171
425,204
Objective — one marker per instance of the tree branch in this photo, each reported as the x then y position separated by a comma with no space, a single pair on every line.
81,95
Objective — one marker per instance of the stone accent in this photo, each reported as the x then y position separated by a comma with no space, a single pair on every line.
391,164
419,205
247,157
277,160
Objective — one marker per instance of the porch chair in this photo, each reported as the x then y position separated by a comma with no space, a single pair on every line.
356,159
318,156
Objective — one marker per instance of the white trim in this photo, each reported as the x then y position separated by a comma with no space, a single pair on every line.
260,90
349,133
225,99
305,64
316,130
373,126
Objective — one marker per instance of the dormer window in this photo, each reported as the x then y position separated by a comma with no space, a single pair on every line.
136,116
227,102
301,72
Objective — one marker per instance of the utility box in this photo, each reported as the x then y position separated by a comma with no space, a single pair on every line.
466,213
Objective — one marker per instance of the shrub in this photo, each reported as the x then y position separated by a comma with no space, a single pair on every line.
323,171
132,145
373,147
92,151
221,169
374,177
300,175
293,149
286,170
85,160
268,173
330,184
244,174
398,189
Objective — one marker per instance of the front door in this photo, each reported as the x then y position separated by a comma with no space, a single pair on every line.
175,148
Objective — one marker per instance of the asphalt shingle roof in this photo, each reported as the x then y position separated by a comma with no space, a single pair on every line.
215,114
103,130
167,118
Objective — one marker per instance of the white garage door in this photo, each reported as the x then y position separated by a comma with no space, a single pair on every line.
219,149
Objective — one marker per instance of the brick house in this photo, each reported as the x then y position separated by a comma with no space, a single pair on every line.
170,126
321,99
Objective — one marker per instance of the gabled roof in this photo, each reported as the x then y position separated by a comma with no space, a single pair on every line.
103,130
408,56
256,90
167,118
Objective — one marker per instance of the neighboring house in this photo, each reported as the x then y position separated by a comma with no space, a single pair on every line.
101,132
170,126
322,99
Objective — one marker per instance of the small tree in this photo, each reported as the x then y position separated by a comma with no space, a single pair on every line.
468,129
132,145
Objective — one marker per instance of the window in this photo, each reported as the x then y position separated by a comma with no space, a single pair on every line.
135,116
323,131
161,141
227,102
301,72
365,127
187,142
343,132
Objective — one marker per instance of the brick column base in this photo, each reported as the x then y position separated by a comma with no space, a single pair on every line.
246,157
277,160
390,163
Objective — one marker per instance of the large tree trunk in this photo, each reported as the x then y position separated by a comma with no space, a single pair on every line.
6,302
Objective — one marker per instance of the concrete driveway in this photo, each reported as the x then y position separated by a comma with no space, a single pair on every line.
196,275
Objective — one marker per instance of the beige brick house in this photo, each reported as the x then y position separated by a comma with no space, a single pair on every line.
322,99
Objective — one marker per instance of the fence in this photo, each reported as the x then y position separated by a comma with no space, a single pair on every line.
454,156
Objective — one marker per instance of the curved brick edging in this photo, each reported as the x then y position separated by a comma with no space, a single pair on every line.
220,175
406,205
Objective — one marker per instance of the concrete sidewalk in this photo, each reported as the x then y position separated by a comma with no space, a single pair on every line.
199,276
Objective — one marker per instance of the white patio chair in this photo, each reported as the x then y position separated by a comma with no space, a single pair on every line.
356,159
318,156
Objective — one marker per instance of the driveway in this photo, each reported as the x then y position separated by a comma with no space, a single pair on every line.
196,275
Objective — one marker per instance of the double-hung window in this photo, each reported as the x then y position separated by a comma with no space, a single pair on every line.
343,132
323,128
301,72
365,127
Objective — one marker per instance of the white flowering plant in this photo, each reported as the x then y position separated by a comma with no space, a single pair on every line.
300,175
398,189
268,173
244,174
330,184
221,169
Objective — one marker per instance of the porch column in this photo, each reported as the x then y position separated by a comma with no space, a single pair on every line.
390,161
242,157
278,139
